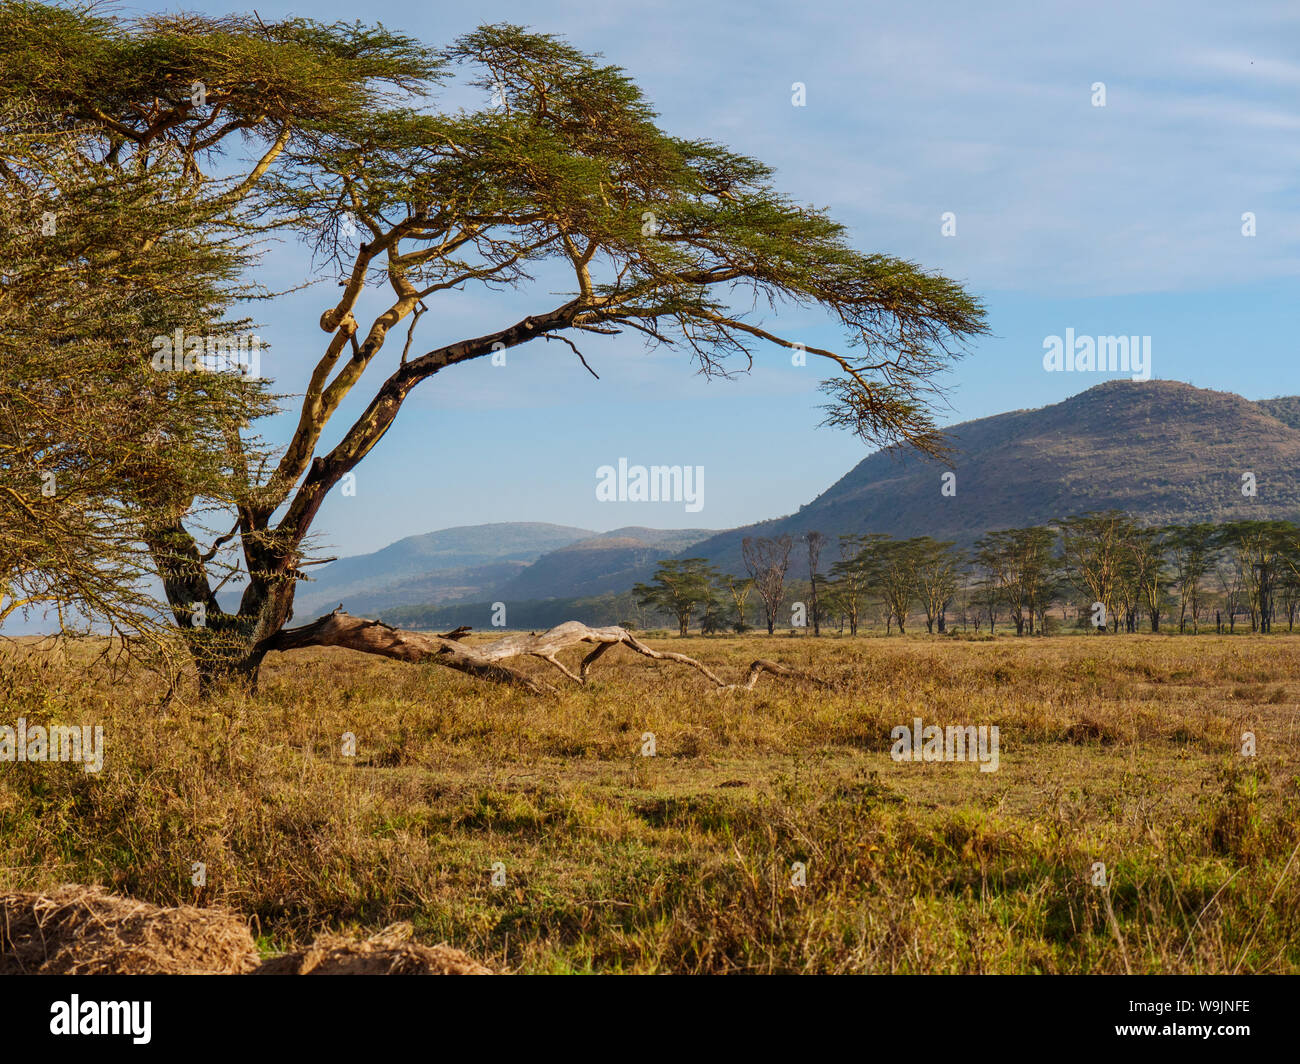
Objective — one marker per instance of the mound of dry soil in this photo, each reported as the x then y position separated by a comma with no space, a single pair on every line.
387,953
80,930
86,931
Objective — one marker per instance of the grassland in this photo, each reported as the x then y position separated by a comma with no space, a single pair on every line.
1124,750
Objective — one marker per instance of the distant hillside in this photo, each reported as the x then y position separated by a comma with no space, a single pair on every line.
486,563
456,562
438,586
1163,450
1286,409
595,610
610,562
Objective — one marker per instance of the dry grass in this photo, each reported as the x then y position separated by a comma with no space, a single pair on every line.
1124,750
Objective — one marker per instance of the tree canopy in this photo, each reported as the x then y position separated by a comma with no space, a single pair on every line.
325,131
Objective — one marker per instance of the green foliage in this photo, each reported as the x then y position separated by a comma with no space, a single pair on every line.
682,588
96,446
564,164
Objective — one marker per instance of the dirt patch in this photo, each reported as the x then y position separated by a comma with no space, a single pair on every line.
388,953
80,930
86,931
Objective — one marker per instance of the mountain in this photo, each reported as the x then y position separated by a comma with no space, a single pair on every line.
528,614
613,561
460,562
1163,450
486,563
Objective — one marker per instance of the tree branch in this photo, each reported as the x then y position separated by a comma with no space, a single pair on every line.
484,662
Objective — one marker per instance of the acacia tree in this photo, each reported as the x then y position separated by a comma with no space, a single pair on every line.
768,560
1258,549
855,573
679,587
565,168
897,576
1000,556
1192,551
815,541
936,569
739,588
1150,564
1095,550
1020,563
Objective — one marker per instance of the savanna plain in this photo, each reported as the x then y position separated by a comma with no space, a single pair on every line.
535,834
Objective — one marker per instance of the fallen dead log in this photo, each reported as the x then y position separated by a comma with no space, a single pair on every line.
485,662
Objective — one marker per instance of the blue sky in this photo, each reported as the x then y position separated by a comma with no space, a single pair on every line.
1122,219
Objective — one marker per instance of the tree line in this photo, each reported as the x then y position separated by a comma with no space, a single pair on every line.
1103,570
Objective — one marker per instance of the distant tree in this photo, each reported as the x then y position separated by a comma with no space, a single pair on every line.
1128,593
834,608
1289,569
1095,547
1288,591
898,559
713,616
1231,581
1258,549
815,541
936,569
1040,572
855,574
986,594
739,588
1022,566
680,587
1150,566
1192,550
998,556
768,561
